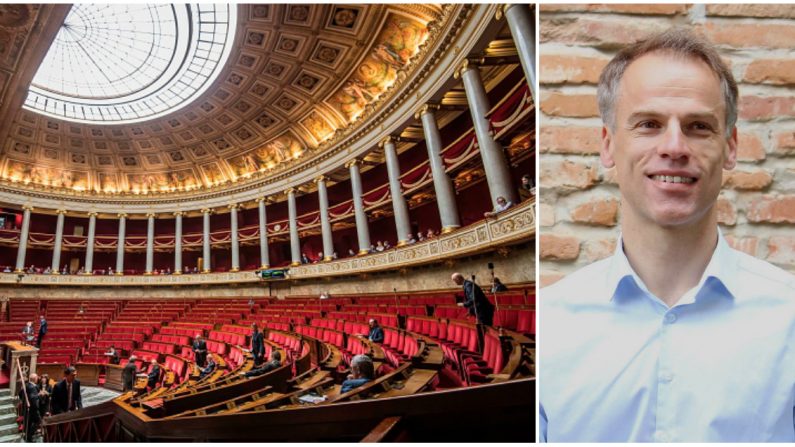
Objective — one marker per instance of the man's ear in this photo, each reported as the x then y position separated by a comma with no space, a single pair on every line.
606,151
731,151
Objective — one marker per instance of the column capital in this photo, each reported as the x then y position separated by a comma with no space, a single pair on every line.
289,191
122,215
233,206
60,212
388,139
178,213
466,64
151,215
261,199
206,211
320,178
426,108
353,162
502,9
92,214
27,207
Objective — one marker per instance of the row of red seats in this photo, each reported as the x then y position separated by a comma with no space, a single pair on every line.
228,337
163,348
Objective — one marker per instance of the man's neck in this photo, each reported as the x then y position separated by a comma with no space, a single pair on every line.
670,261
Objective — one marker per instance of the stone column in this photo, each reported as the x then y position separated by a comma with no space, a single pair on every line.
206,241
295,243
399,206
522,25
325,223
264,255
234,237
178,243
442,185
92,228
362,227
120,243
150,243
56,252
23,239
495,163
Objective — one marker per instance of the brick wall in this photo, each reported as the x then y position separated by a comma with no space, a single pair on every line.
580,202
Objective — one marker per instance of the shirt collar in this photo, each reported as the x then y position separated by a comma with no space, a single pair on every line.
720,276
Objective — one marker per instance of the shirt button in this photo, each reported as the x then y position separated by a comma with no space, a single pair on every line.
670,318
666,377
661,436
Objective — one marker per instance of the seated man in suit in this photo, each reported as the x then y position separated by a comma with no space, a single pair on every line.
362,371
199,350
275,362
128,374
154,375
113,354
376,334
66,395
207,370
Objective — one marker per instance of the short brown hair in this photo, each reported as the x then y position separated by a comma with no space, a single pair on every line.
679,42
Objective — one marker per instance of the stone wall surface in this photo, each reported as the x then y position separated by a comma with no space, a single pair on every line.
579,209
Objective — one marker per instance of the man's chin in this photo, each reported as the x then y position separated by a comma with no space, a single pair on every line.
674,218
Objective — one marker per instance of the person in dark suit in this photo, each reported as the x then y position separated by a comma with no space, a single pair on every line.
66,395
113,354
207,370
362,371
45,390
376,334
275,362
42,331
475,300
199,350
128,374
30,406
154,375
257,344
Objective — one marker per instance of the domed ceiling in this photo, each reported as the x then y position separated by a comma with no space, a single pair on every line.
298,77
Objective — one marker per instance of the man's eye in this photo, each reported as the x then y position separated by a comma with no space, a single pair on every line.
648,125
701,126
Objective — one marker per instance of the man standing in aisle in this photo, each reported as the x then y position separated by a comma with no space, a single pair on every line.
42,331
677,337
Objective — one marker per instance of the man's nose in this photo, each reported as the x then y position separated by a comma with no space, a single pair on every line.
674,144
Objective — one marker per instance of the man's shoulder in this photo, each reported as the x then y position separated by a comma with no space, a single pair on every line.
757,277
584,284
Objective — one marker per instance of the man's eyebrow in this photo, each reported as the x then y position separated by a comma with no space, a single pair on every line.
706,115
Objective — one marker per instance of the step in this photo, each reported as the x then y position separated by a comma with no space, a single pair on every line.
6,400
8,418
11,438
9,429
5,392
5,409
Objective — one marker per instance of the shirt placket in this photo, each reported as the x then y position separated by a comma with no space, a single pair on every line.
666,411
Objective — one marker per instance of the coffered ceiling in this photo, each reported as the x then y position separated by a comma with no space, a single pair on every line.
298,76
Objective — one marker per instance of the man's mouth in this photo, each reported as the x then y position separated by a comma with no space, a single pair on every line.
672,179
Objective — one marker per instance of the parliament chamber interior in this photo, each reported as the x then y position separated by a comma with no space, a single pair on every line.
267,222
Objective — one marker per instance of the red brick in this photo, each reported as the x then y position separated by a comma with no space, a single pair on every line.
547,279
771,209
557,69
727,215
654,9
568,175
574,106
559,248
781,250
747,244
602,212
749,148
750,35
772,11
547,215
756,108
570,140
596,250
606,33
770,71
748,180
785,143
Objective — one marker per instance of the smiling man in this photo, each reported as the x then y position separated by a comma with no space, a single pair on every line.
677,336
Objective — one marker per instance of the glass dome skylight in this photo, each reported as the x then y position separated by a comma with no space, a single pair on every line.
114,64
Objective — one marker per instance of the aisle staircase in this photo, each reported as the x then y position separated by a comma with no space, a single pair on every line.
9,431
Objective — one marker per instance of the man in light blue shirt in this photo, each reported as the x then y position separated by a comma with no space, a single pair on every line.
677,337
